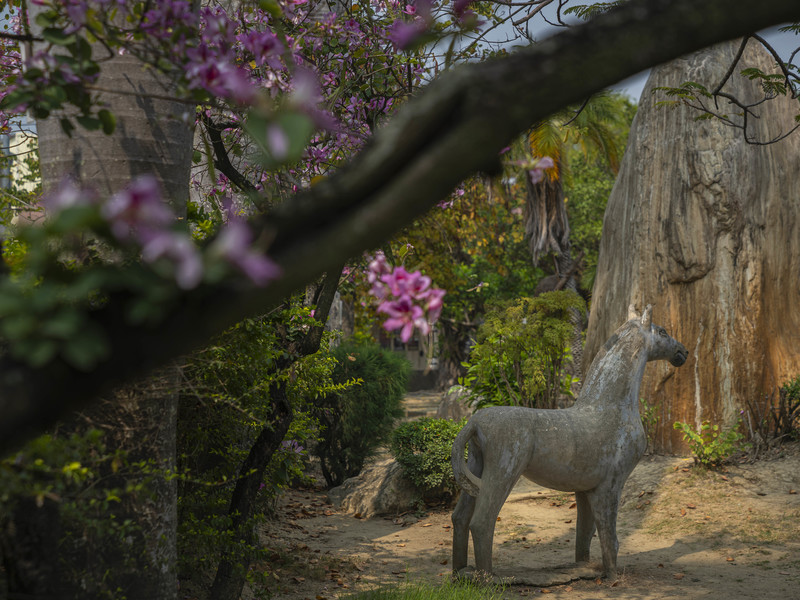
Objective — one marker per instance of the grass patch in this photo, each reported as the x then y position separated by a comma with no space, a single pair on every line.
449,590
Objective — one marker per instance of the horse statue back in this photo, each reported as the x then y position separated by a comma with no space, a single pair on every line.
589,448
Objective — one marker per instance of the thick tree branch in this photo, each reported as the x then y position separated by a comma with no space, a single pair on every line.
454,128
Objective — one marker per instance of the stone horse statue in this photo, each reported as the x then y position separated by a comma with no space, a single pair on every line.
589,448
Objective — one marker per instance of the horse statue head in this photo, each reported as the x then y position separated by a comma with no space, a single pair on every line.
660,345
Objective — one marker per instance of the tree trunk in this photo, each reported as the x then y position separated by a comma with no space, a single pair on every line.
704,226
231,574
151,137
566,270
452,353
29,538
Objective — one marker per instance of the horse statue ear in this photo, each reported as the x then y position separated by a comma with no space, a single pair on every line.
632,312
647,316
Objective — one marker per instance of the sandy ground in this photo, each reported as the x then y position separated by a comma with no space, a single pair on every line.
684,533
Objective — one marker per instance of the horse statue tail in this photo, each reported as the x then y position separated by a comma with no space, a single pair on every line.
465,479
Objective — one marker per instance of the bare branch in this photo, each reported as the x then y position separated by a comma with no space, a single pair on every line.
222,161
732,66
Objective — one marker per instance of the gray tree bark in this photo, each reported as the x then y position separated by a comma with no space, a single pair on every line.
705,227
151,137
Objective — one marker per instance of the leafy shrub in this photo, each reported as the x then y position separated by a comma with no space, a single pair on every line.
787,414
649,416
66,498
357,420
521,352
711,447
423,449
224,405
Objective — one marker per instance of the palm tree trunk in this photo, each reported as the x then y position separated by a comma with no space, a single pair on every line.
548,227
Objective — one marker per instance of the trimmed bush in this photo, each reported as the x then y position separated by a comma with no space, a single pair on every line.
359,419
423,450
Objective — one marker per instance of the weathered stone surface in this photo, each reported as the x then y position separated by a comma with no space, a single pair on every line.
456,404
707,227
379,489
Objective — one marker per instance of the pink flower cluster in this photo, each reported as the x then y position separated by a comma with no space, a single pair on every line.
403,33
537,172
407,298
138,215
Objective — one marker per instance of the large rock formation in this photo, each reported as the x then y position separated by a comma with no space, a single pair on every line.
707,228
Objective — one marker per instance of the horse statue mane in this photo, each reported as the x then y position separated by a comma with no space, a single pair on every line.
589,448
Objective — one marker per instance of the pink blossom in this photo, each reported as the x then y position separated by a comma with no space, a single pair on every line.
137,208
537,173
218,74
402,282
402,33
435,304
234,245
265,47
277,142
404,315
378,266
460,6
66,195
403,296
179,249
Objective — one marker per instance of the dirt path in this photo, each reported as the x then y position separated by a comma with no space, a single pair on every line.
684,533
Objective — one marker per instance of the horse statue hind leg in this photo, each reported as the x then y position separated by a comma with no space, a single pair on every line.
589,448
476,513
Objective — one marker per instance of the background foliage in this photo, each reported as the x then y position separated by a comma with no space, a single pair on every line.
521,350
357,420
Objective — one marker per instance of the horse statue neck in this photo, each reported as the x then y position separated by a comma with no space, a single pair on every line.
616,372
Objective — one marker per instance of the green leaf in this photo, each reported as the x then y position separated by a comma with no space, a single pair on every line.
32,74
108,120
17,97
89,123
272,7
19,326
46,18
62,325
81,49
58,36
74,218
85,349
296,126
40,352
299,128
